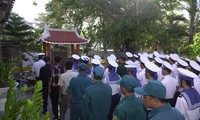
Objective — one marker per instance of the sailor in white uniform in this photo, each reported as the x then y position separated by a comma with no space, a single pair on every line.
141,75
37,65
195,68
76,62
188,102
159,63
169,82
173,61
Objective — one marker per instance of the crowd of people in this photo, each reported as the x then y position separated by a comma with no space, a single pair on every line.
128,86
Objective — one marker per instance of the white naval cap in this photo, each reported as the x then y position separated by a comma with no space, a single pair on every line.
85,58
150,55
97,57
112,63
194,65
144,59
198,59
113,56
40,54
139,54
129,62
75,56
174,57
152,67
136,56
187,59
95,61
182,63
131,66
158,60
186,75
167,65
167,57
129,54
155,53
162,56
145,54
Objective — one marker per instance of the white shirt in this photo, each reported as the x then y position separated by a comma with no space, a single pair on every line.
174,72
170,84
65,78
141,76
181,105
114,86
160,75
36,67
197,84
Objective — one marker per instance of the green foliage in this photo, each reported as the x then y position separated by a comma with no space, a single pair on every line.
193,50
20,33
131,25
6,70
17,107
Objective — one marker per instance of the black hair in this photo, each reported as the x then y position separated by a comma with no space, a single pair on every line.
47,59
168,70
57,59
40,56
68,65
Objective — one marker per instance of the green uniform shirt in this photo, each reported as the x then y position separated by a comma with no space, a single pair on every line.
97,101
121,69
165,112
130,108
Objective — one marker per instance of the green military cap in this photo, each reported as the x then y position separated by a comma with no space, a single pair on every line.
128,82
98,71
83,66
153,88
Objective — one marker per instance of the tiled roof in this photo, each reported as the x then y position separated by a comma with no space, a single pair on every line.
60,36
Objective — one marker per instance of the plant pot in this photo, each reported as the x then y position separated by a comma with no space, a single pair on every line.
3,94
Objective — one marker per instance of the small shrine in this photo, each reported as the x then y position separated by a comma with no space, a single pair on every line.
52,36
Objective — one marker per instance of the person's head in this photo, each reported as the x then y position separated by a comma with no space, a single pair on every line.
153,92
122,57
83,68
98,73
85,59
194,67
75,58
151,71
47,59
166,68
158,61
41,55
129,55
186,78
127,85
182,63
112,65
95,62
57,59
131,70
68,65
173,58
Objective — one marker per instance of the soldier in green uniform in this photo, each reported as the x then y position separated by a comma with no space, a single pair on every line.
121,69
76,91
154,93
97,100
130,107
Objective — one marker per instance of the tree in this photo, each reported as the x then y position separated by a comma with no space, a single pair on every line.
20,34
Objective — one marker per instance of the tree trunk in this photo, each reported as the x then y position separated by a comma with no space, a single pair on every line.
191,28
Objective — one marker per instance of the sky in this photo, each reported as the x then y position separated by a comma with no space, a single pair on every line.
26,9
